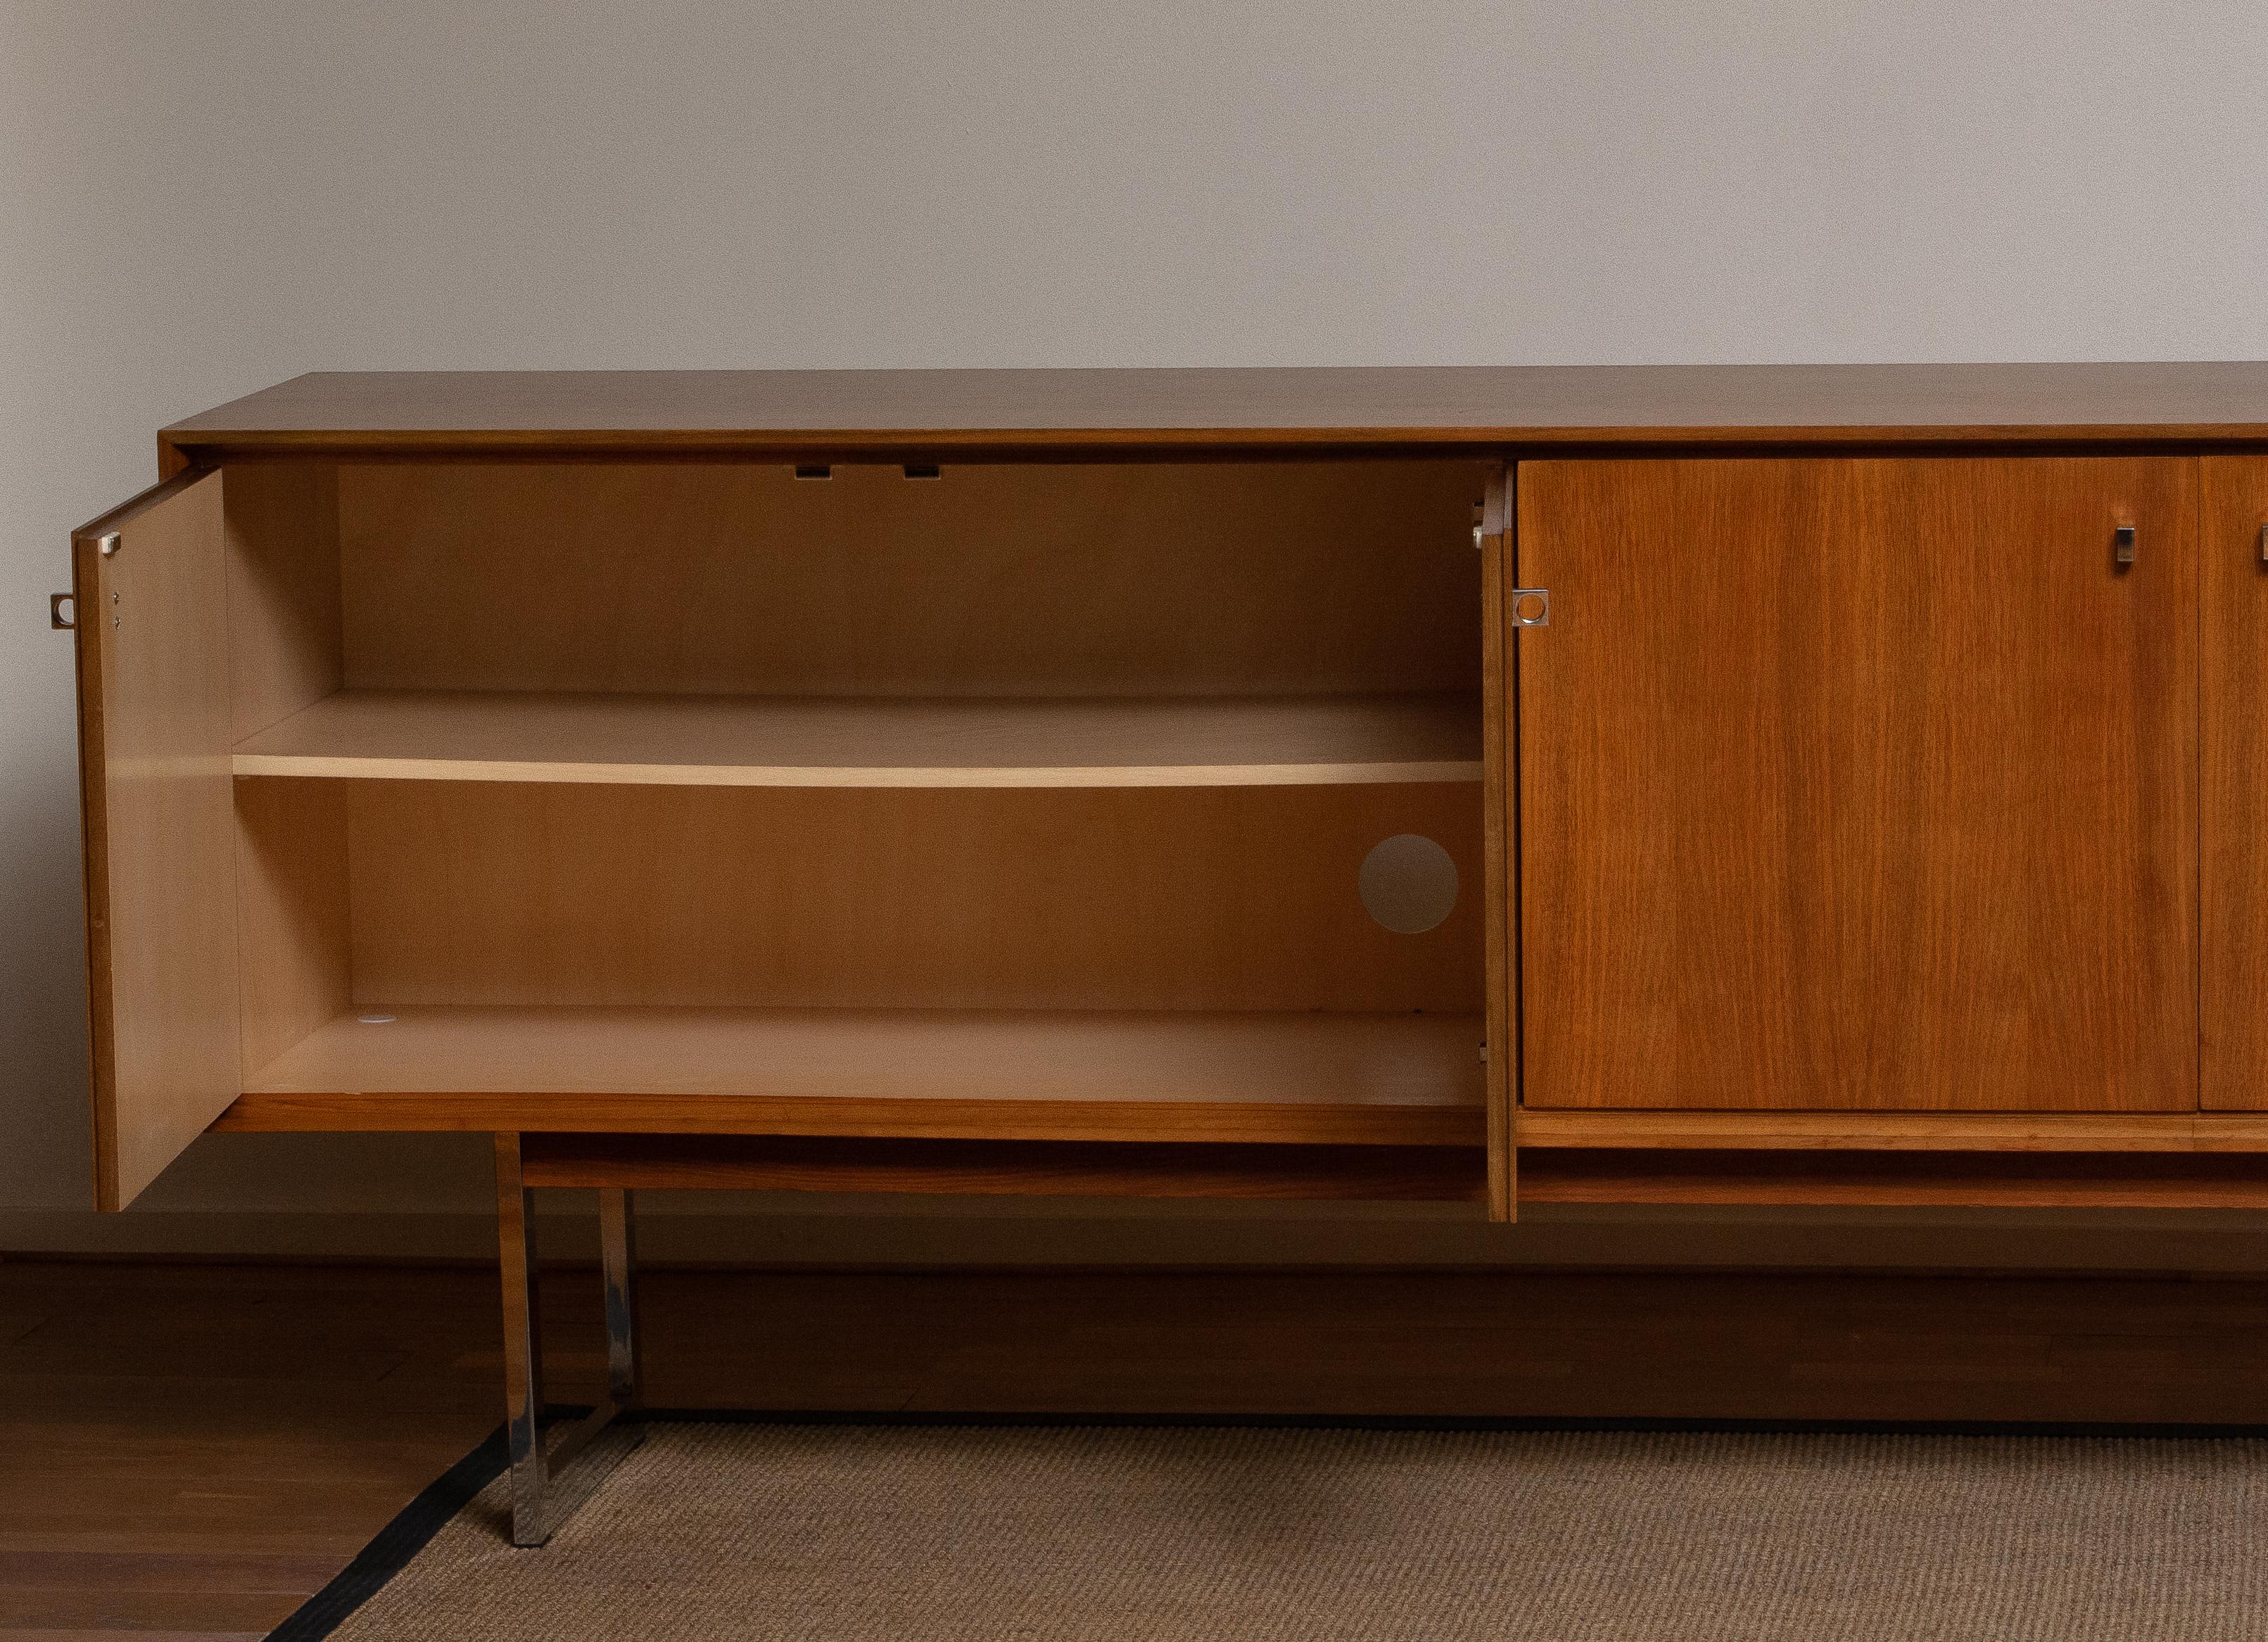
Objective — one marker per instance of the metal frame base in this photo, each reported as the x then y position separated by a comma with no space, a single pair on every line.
548,1484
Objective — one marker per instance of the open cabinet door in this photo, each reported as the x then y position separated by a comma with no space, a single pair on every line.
1498,689
153,678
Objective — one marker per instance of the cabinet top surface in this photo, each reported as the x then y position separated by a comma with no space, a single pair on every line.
1313,408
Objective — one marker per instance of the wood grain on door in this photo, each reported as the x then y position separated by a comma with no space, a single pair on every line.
1860,783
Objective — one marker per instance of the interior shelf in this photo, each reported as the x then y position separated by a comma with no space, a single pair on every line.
1033,1075
839,741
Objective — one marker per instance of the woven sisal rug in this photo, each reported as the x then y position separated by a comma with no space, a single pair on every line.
846,1533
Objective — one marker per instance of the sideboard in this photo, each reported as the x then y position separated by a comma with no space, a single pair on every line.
1621,785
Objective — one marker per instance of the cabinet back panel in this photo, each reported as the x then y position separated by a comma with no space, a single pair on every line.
1160,898
1028,580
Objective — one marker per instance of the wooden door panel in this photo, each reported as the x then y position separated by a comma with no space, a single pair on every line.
2233,570
1501,883
160,828
1864,783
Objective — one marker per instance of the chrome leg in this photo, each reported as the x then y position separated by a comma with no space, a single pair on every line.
546,1485
523,1346
618,1254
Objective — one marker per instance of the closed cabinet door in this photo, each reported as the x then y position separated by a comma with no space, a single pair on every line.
2233,549
1859,783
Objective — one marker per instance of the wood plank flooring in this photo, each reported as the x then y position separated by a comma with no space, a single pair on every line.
192,1449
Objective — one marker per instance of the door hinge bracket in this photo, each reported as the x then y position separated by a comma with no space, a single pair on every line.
1492,514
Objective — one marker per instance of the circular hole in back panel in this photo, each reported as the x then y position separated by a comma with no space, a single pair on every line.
1408,883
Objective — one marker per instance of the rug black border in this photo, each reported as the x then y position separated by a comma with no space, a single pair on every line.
397,1544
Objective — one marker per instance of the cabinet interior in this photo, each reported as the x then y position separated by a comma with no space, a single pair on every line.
1043,791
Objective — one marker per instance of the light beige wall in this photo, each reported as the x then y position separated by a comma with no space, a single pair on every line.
203,196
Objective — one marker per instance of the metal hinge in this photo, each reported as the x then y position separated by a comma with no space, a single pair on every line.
1492,514
56,619
1531,606
2122,545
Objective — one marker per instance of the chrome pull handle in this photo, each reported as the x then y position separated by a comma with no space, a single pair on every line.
56,619
2122,546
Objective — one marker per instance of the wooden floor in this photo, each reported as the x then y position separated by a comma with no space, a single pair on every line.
192,1449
